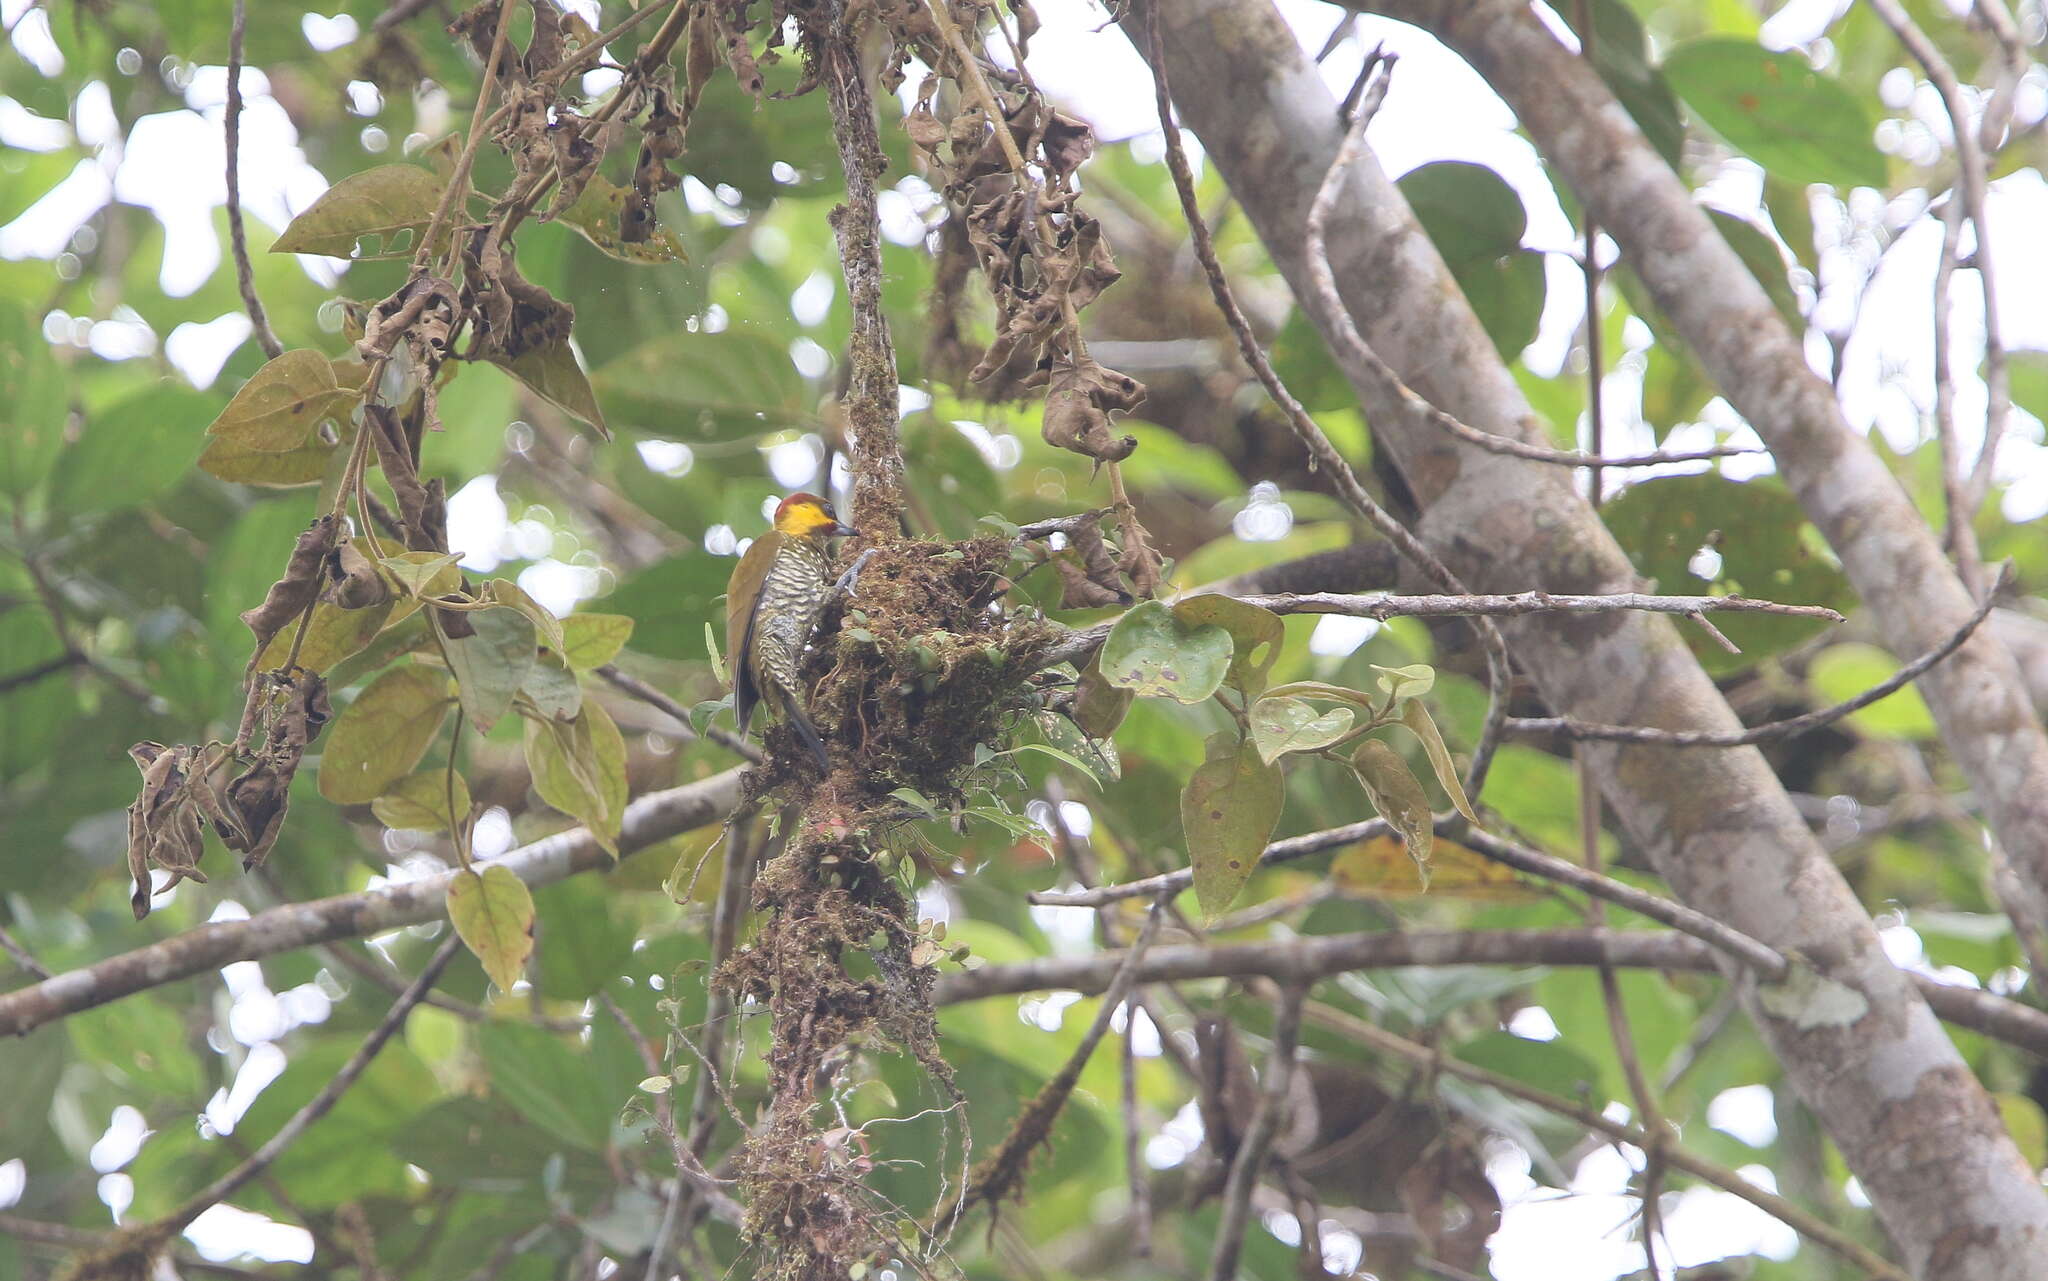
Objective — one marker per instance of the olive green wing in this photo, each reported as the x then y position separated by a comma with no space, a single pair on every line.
742,602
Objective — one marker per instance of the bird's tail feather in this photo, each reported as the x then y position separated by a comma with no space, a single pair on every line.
809,734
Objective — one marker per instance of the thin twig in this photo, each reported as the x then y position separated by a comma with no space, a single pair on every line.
735,880
1799,1219
238,236
1321,451
628,683
458,181
50,667
1134,1166
302,1120
21,955
1258,1137
1789,728
1756,955
653,817
1322,277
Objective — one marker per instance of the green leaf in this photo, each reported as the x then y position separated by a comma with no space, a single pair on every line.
223,459
1099,707
332,634
130,452
553,689
1620,52
1776,109
1476,221
1153,653
1321,689
1841,672
553,373
419,574
1765,261
546,1082
1063,757
547,628
1765,548
32,402
1552,1066
701,387
493,912
595,216
1283,725
1393,790
491,665
592,640
2028,372
419,802
579,767
1256,634
1227,814
380,737
582,947
1412,681
278,408
717,660
1416,717
379,205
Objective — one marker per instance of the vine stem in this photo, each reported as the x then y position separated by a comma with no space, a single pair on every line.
238,237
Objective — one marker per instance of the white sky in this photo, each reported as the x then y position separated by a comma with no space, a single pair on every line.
170,162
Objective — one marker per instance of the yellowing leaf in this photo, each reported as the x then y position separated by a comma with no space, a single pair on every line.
223,459
1395,793
278,408
1416,717
1255,633
592,640
332,634
1228,812
1283,725
380,737
491,664
595,215
382,202
1412,681
424,573
493,912
1382,868
579,767
1154,653
419,802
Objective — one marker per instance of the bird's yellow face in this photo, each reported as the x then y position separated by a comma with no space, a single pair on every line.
807,516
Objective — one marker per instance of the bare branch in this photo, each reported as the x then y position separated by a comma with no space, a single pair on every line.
1791,727
1321,452
238,236
1258,1137
21,955
628,683
1806,1223
319,1105
653,817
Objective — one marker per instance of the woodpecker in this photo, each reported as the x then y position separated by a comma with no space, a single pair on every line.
771,607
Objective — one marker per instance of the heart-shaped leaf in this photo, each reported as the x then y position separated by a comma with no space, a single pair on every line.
493,912
1255,634
382,202
1152,653
380,737
1283,725
592,640
278,408
419,802
1228,812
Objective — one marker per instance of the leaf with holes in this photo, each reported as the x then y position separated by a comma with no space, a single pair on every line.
1153,653
419,802
1227,813
1398,796
1283,725
1255,635
493,912
579,767
277,409
380,737
595,216
492,664
390,205
592,640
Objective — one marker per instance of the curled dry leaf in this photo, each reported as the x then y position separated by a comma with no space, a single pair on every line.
291,594
1078,406
357,584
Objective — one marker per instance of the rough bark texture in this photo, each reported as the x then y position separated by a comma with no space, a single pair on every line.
1860,1046
1893,557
